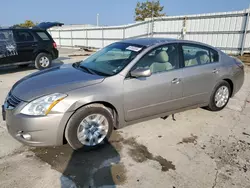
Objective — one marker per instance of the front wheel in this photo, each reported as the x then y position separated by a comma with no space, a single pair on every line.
220,96
43,61
89,127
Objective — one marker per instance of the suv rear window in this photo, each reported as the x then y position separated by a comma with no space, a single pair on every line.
43,35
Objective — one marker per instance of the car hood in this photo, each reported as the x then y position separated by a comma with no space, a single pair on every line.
54,80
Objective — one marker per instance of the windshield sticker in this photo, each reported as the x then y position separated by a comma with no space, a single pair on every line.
7,44
133,48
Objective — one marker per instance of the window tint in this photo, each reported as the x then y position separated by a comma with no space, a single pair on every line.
43,35
161,59
195,55
214,56
24,36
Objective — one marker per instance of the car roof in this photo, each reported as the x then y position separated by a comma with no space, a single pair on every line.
40,26
22,28
150,41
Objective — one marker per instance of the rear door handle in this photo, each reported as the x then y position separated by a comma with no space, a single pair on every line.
34,45
216,71
176,81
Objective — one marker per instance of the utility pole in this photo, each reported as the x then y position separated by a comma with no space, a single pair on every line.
152,19
97,19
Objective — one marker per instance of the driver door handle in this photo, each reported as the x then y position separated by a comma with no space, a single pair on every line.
216,71
176,81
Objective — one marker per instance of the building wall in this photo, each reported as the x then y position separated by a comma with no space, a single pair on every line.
229,31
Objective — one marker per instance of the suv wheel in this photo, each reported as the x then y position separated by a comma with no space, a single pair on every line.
43,61
220,96
89,127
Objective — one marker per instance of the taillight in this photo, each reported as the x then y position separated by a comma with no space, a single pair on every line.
239,63
54,45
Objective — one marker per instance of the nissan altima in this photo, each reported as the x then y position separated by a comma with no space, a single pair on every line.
126,82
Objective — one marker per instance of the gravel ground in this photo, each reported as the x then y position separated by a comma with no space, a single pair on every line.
199,149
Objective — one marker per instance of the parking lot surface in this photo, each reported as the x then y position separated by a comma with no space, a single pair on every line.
198,148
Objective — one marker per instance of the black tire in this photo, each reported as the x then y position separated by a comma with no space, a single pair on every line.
38,58
212,105
78,116
23,66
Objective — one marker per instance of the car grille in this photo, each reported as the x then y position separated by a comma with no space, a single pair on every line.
12,100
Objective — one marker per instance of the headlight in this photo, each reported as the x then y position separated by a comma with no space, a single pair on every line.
42,106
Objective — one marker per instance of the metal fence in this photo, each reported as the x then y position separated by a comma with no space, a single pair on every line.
229,31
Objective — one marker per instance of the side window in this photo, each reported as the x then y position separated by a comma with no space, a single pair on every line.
7,43
161,59
214,56
42,35
194,55
24,36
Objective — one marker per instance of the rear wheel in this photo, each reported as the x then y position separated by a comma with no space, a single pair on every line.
43,61
220,96
89,127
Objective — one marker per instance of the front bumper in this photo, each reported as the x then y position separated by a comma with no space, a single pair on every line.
36,131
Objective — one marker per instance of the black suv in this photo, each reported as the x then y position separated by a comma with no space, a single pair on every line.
23,46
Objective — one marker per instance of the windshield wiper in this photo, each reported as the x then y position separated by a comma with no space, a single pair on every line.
87,69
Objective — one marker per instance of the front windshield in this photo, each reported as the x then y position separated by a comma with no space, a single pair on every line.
111,59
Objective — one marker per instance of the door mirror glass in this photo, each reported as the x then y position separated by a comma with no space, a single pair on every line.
140,72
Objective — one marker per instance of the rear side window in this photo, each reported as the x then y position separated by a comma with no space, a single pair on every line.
214,56
43,35
24,36
197,55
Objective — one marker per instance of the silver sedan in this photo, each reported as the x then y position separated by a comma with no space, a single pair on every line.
126,82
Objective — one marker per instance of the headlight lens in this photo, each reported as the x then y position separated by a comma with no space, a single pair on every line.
42,106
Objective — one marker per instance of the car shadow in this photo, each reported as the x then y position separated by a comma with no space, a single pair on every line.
15,69
95,168
62,58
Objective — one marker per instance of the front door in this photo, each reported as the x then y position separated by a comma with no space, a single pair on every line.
159,93
26,45
201,67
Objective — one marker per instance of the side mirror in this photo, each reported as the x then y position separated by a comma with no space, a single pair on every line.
140,72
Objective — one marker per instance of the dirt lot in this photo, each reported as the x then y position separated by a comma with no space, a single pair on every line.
245,58
199,149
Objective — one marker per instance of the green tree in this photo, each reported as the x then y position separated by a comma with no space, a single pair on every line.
27,23
147,9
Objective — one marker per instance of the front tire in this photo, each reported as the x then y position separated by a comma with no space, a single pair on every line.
89,127
43,61
220,96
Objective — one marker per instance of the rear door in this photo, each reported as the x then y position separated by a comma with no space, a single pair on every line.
26,45
200,72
